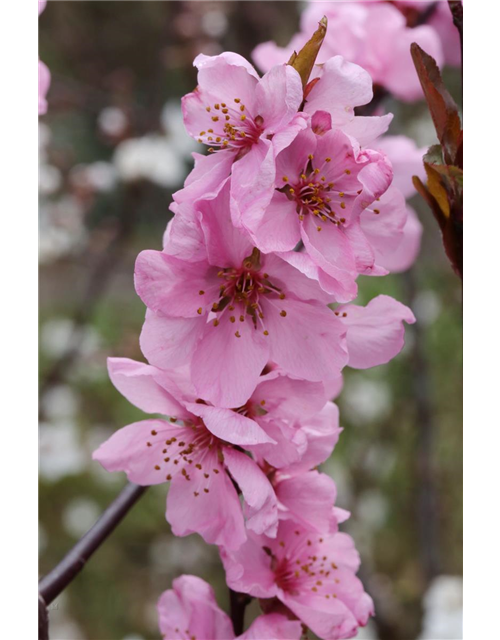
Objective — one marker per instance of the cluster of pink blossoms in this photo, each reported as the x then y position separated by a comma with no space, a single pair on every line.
246,339
375,35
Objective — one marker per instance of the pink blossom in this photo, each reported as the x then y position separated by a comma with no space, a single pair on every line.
312,574
43,74
375,333
405,254
441,20
183,450
230,314
323,185
245,120
189,610
406,159
43,87
373,35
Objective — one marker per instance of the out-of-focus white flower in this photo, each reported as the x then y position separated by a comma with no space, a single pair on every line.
60,452
151,158
366,400
172,124
427,307
49,177
61,228
372,509
97,176
58,336
112,121
171,554
79,515
214,23
60,402
367,633
443,609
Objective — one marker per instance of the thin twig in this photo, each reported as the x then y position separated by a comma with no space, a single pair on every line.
238,603
51,585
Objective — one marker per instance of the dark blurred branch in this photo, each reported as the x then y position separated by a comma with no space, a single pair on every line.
238,603
96,285
43,620
51,585
457,11
427,501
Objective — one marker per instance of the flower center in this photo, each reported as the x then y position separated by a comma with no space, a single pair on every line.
187,447
241,293
314,195
232,127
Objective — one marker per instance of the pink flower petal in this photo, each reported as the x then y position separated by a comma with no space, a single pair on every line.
209,507
258,493
228,361
375,333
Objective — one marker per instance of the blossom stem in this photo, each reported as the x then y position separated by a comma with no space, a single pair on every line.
238,603
51,585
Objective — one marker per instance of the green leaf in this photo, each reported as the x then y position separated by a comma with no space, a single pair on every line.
304,61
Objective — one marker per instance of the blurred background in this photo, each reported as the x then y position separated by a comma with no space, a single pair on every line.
112,151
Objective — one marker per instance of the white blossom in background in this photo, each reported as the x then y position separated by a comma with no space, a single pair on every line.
153,158
60,402
443,609
169,554
62,626
112,121
98,176
214,23
366,400
372,510
60,452
58,336
427,307
49,177
61,228
367,633
172,124
79,515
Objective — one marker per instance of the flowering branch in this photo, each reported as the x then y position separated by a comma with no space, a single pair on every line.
51,585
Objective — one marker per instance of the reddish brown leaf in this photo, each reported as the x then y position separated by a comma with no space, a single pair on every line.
442,107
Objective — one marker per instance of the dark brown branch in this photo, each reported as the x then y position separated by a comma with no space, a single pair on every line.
457,12
427,499
51,585
238,603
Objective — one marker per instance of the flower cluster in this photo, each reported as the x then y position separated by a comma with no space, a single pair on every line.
377,36
249,324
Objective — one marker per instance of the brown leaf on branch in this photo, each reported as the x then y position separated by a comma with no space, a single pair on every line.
304,61
442,107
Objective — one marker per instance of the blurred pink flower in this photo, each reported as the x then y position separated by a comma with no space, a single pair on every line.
189,610
312,574
373,35
43,87
43,74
